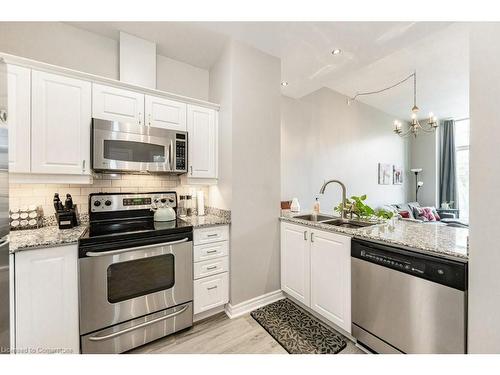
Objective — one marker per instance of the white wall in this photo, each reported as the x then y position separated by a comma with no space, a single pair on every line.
256,174
424,154
68,46
180,78
484,257
221,92
323,138
247,84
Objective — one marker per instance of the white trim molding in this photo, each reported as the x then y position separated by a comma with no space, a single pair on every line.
234,311
38,65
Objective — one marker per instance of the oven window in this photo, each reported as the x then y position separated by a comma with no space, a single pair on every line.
134,151
140,277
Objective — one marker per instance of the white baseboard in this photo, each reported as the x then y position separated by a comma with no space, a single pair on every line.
234,311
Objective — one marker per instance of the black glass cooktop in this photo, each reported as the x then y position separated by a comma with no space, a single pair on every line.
131,227
132,232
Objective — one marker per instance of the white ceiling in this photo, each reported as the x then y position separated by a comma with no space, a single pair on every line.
374,55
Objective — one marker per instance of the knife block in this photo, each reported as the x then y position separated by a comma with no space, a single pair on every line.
67,219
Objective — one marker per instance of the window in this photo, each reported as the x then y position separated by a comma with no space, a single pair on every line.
462,132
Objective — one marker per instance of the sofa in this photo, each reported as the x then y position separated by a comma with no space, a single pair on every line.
409,211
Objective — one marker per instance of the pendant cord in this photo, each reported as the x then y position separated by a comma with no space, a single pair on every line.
414,75
415,88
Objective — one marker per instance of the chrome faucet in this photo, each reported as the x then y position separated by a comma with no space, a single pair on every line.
344,195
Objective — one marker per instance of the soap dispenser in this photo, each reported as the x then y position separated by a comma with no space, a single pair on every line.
316,207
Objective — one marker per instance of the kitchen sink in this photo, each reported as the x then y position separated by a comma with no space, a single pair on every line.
311,217
347,223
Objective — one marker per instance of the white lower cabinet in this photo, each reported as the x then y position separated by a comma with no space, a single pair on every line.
331,277
211,292
316,270
46,298
295,261
210,268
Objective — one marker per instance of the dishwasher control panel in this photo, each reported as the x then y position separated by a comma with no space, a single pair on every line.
386,260
443,271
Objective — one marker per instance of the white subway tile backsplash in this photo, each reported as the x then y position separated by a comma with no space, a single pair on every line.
43,194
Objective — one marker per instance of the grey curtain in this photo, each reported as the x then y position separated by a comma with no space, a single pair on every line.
447,170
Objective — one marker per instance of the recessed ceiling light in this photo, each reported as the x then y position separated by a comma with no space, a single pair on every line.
284,83
336,51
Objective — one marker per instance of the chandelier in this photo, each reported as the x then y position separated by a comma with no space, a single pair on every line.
415,126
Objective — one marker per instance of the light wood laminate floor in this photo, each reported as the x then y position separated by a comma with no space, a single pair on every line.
221,335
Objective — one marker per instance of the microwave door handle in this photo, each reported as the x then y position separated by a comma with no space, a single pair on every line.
120,251
170,156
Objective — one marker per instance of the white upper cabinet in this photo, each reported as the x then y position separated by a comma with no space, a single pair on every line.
331,277
61,118
295,277
202,140
111,103
19,118
164,113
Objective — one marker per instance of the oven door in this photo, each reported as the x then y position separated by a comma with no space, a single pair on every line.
123,284
132,148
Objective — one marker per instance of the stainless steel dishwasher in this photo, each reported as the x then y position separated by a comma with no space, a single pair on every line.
407,302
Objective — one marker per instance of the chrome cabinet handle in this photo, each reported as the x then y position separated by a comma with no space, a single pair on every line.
312,237
305,235
145,324
139,118
191,168
212,287
211,251
3,115
120,251
83,165
211,268
149,116
212,235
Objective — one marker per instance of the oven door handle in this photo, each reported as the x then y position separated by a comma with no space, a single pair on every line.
120,251
142,325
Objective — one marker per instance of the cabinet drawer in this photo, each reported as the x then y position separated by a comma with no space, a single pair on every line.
212,234
211,267
211,292
211,251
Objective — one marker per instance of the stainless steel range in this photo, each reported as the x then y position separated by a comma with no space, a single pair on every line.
136,278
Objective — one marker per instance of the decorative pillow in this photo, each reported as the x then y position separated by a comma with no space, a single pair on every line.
404,214
425,213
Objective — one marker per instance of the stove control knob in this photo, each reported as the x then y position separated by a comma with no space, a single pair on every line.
97,203
108,203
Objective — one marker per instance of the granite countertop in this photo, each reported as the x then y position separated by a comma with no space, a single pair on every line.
51,235
44,237
430,238
207,220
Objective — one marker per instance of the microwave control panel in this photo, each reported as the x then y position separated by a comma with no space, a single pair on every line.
180,153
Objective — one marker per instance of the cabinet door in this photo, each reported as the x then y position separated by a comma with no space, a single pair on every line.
61,117
111,103
331,277
47,299
19,118
295,273
166,114
202,138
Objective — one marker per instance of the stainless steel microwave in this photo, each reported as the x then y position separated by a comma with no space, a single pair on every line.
130,148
